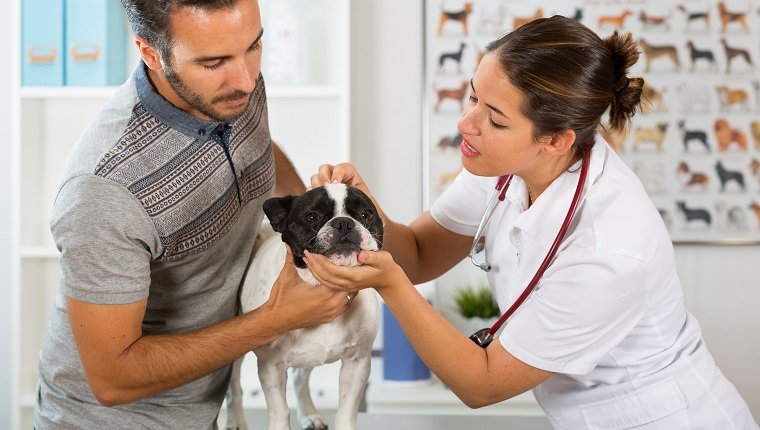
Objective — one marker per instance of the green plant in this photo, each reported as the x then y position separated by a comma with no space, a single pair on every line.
476,303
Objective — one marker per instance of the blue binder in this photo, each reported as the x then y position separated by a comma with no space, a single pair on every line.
96,51
42,44
400,360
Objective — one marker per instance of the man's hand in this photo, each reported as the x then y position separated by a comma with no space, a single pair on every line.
299,304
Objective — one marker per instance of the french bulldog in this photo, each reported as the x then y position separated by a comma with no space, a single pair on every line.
337,221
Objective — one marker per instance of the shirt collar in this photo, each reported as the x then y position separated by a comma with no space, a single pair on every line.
162,109
545,217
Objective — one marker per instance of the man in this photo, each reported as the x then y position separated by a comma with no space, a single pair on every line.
156,219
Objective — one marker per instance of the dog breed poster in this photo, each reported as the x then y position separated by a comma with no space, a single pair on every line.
696,144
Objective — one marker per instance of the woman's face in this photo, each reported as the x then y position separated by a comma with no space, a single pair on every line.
498,138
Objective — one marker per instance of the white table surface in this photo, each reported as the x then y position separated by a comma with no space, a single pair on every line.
370,421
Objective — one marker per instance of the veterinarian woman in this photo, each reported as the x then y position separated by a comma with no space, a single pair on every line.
604,340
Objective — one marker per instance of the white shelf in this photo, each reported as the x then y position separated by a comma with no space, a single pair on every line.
432,397
66,92
39,252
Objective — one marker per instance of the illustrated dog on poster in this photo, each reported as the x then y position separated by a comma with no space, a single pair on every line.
459,17
727,136
730,17
690,179
654,52
654,21
733,52
730,217
453,94
615,21
689,135
727,176
695,16
701,54
522,20
655,135
450,142
337,221
692,214
454,56
732,97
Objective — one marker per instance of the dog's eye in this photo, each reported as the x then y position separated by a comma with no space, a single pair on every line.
312,217
367,215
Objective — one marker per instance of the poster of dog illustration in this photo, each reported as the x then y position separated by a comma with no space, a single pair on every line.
695,145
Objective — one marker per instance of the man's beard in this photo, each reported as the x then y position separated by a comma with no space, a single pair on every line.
196,101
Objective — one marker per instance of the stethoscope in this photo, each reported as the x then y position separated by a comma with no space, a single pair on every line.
484,336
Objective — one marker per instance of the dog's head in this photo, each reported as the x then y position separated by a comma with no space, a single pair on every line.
335,220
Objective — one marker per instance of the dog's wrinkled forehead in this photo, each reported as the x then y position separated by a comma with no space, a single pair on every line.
326,202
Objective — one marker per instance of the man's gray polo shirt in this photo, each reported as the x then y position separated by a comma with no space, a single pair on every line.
154,204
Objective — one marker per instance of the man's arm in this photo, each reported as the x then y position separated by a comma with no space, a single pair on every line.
122,365
288,181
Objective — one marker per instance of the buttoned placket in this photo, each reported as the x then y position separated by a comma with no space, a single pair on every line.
221,136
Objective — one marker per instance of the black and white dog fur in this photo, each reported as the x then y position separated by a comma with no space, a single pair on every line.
335,220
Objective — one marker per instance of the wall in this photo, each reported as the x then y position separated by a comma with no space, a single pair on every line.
8,302
721,284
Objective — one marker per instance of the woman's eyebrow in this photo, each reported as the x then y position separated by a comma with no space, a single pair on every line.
492,107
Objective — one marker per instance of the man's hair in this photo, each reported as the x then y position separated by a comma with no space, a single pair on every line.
151,19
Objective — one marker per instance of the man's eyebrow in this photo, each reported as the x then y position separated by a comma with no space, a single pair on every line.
493,108
224,57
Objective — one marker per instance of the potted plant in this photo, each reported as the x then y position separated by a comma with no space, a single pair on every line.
478,308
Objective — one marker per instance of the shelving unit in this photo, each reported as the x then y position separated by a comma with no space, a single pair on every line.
308,118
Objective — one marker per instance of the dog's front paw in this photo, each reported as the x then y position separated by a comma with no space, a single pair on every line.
313,422
236,423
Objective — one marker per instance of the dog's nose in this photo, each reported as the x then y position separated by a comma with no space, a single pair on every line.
342,224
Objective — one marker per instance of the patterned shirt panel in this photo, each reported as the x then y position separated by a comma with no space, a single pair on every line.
187,185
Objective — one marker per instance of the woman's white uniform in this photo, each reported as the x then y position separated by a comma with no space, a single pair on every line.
608,315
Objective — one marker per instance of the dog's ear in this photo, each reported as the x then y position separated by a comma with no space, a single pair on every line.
277,210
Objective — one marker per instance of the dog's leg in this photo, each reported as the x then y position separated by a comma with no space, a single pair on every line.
354,374
308,415
274,378
235,415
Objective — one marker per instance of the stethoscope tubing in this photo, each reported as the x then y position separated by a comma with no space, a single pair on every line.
483,339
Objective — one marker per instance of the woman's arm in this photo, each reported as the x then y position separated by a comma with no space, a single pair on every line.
479,377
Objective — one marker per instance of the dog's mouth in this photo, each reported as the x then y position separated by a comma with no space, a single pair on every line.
343,253
342,249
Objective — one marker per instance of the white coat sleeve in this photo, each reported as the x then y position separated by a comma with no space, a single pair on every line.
461,206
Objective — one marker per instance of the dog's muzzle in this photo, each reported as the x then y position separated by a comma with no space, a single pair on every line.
343,238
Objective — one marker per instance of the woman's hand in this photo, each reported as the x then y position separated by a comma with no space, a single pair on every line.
344,173
377,270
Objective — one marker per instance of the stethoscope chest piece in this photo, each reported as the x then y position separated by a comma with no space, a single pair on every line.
482,337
